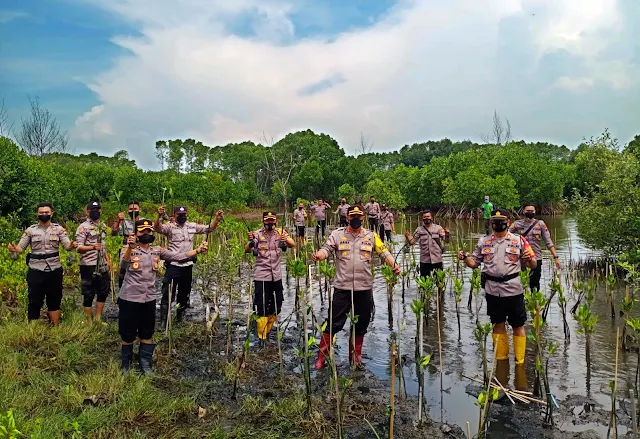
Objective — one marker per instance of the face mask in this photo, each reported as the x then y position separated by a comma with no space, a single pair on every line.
269,226
373,201
44,218
427,220
181,219
133,214
355,223
299,207
94,215
486,200
343,202
499,226
146,239
529,214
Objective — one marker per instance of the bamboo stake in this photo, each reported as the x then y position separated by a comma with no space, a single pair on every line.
504,390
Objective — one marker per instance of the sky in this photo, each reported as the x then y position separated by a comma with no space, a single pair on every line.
121,74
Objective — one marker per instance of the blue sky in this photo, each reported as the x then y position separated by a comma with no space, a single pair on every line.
124,73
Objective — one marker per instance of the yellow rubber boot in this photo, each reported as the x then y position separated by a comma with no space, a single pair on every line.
519,348
501,341
261,324
521,378
270,323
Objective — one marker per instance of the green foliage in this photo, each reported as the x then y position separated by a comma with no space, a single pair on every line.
347,191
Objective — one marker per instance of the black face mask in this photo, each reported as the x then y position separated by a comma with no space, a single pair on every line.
427,221
355,223
372,201
146,239
94,215
44,218
133,214
530,214
181,219
269,226
299,207
343,202
499,226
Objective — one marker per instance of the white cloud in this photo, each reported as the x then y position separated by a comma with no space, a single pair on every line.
574,84
8,15
429,69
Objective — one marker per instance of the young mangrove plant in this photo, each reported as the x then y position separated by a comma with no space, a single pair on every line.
536,303
298,270
390,279
610,284
485,400
474,290
458,286
441,282
557,289
587,322
417,306
426,286
613,385
634,324
481,333
625,309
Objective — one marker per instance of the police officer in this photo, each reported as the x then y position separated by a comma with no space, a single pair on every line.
387,225
318,211
44,277
299,218
137,297
341,211
125,227
373,213
95,265
431,237
501,254
180,235
353,247
533,230
266,245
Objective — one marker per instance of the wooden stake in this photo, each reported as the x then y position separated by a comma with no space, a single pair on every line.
393,389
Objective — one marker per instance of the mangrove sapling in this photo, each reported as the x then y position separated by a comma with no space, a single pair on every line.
613,385
441,285
417,306
298,269
587,322
458,286
486,398
610,284
634,324
481,333
557,288
536,303
391,279
426,286
475,289
625,309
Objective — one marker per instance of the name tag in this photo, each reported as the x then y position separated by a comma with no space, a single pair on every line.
366,248
346,246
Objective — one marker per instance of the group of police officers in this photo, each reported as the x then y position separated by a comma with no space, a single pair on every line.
503,253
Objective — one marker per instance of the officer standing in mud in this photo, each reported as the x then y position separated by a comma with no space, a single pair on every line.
387,226
299,218
353,248
266,245
373,213
95,273
125,227
44,277
180,235
431,238
533,230
137,297
341,211
501,254
318,211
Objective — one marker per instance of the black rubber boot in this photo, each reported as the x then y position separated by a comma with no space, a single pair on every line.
180,313
164,311
127,357
146,358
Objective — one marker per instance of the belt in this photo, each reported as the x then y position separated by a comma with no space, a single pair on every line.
44,256
501,279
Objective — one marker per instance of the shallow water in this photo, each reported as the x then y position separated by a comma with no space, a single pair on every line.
461,353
